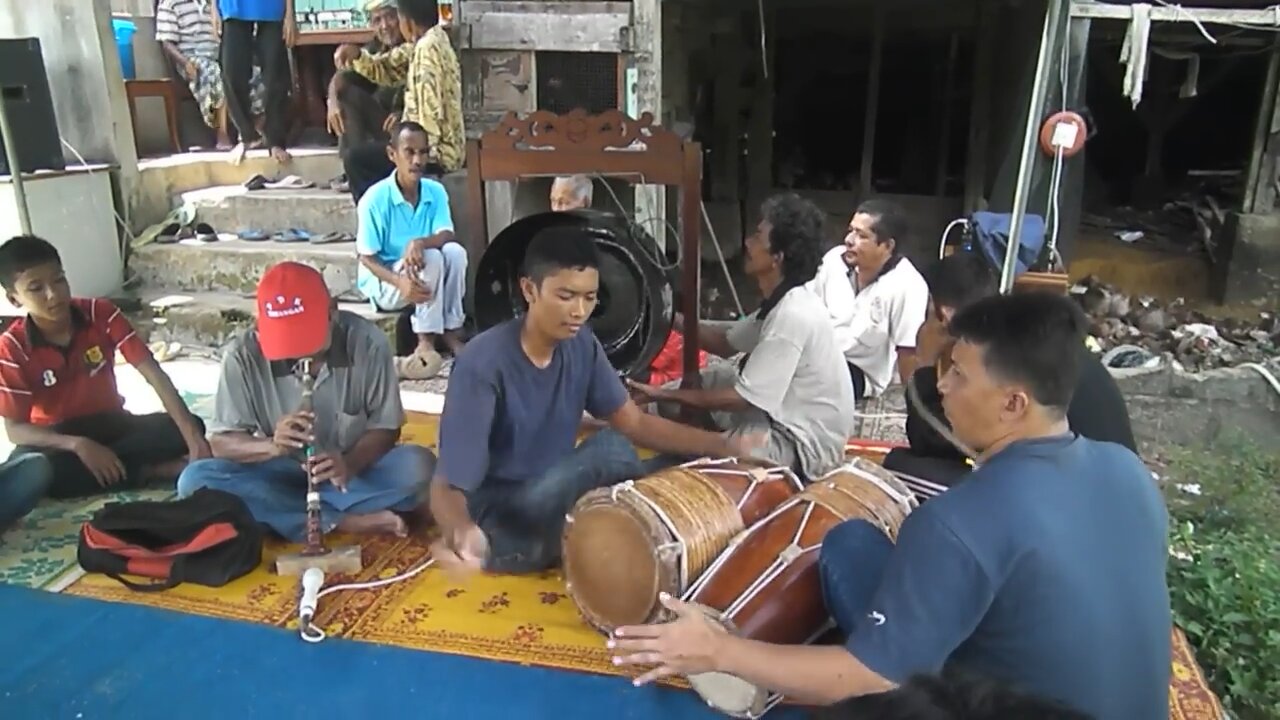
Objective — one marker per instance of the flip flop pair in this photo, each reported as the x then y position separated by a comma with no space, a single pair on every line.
173,233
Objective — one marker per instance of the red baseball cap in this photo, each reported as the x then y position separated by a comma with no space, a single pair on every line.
293,312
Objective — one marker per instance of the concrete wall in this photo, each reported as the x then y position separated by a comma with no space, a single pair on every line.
84,75
1169,407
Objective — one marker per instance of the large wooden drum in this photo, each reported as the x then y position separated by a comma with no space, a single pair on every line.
626,543
766,584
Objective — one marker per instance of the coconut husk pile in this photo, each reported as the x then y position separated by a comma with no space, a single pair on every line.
1124,327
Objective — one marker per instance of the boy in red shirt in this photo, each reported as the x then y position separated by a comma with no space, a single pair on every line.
58,394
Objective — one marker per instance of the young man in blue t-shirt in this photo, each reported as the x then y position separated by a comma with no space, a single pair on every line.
508,468
262,29
1044,570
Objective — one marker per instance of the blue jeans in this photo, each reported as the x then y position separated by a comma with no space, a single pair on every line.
276,491
24,480
851,563
524,521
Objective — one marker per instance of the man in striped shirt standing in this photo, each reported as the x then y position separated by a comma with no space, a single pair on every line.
58,393
184,29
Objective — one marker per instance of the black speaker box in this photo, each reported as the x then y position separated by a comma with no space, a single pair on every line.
24,88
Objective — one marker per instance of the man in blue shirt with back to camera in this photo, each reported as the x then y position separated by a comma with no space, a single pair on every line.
509,469
1043,571
262,29
409,255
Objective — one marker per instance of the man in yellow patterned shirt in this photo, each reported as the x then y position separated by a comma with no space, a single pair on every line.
433,91
368,87
432,98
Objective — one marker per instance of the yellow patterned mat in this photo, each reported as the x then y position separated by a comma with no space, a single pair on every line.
527,620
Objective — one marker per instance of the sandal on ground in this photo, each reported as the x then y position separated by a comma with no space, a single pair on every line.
332,237
292,235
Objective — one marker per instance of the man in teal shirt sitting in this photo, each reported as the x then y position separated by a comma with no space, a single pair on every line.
408,254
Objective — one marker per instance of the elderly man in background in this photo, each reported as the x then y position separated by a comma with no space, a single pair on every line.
571,192
369,85
432,99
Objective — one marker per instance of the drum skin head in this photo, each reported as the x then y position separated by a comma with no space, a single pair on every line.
611,563
729,694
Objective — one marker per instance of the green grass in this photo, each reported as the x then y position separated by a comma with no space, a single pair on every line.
1224,568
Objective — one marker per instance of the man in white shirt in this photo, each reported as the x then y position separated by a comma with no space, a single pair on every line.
792,384
875,297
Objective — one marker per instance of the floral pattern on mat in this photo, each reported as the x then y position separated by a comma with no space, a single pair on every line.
515,619
42,547
1189,695
528,620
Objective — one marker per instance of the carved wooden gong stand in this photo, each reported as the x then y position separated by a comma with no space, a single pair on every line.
612,145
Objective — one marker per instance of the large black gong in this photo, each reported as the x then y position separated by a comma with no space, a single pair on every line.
635,309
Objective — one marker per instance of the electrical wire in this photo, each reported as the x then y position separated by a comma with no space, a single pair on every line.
313,634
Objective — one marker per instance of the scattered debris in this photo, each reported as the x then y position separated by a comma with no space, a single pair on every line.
1135,332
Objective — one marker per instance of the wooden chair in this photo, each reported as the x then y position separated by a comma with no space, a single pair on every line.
164,89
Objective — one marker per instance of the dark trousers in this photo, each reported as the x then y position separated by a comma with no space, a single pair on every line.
364,107
851,565
524,521
940,470
242,41
859,379
140,441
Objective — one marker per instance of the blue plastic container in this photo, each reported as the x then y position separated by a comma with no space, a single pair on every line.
124,30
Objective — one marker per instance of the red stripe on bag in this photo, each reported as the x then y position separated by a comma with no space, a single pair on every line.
210,536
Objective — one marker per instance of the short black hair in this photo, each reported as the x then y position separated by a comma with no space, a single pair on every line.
406,126
1033,338
961,279
21,253
423,13
559,248
890,221
952,696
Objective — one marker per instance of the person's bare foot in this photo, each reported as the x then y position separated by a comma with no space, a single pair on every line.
384,522
280,155
222,141
237,153
453,341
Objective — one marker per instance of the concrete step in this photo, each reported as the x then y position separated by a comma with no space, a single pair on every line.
234,266
162,180
232,208
209,319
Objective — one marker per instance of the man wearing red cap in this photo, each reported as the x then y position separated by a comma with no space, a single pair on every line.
260,428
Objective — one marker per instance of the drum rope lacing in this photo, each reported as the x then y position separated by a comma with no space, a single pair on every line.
906,499
697,514
885,524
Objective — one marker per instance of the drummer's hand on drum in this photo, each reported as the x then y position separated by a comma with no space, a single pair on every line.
461,552
686,646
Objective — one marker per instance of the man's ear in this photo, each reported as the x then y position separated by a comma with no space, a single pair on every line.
13,299
529,289
391,152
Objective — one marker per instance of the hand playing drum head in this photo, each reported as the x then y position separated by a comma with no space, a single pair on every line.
688,645
462,553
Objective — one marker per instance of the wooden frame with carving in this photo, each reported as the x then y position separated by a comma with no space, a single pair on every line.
610,144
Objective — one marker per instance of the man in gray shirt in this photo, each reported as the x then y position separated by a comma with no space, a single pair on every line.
261,427
794,382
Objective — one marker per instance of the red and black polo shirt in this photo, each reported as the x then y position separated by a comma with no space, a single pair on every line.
44,384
